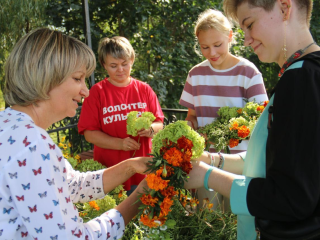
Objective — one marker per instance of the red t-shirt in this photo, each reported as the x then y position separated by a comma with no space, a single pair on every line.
106,109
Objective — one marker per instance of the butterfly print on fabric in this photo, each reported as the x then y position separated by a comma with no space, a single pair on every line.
28,126
23,163
35,172
27,219
18,228
98,233
13,220
56,168
47,216
34,209
20,198
13,175
78,234
44,157
67,199
112,223
33,149
10,140
75,218
7,210
54,237
42,195
50,182
62,226
64,211
25,187
14,127
53,146
10,199
25,142
19,119
59,158
24,234
43,137
108,235
64,170
39,230
118,226
60,190
55,202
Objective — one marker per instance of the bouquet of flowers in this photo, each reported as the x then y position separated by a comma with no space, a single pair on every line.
172,150
233,125
135,123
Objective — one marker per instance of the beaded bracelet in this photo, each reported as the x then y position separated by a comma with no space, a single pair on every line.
221,162
206,178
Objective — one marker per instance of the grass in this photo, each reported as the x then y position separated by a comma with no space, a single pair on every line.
2,105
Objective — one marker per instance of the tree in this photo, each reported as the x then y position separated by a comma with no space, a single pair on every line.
16,19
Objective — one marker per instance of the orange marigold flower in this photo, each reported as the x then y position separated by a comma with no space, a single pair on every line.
173,156
233,142
120,194
260,108
243,131
147,221
187,155
149,200
184,143
234,126
239,111
155,182
165,206
168,192
94,205
265,103
186,167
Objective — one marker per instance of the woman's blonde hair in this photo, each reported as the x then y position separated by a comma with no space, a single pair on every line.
40,61
212,19
230,7
118,47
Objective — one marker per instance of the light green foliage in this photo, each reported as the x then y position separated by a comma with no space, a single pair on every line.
226,113
174,131
87,165
135,123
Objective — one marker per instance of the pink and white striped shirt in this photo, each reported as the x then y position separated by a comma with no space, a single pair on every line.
208,89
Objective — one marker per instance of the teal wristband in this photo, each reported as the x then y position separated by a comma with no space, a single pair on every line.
206,178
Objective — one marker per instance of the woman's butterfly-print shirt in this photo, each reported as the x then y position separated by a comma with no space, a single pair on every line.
38,188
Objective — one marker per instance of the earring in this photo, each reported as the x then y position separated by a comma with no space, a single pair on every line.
284,49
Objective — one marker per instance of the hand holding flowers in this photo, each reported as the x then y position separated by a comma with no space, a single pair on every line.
233,125
173,149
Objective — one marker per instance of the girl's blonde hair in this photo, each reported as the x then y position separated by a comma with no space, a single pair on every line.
212,19
40,61
118,47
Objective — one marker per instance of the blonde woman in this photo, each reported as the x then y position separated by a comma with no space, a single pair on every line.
275,191
221,80
45,81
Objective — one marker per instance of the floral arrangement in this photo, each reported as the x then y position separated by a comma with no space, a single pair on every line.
172,151
233,125
135,123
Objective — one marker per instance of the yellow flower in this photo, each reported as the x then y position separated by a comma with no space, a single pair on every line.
151,36
60,144
63,139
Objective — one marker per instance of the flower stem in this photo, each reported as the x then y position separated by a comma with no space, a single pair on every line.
136,150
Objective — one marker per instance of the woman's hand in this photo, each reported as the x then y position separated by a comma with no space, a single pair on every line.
140,164
129,144
145,132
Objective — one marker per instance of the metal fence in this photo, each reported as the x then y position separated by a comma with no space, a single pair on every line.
67,128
